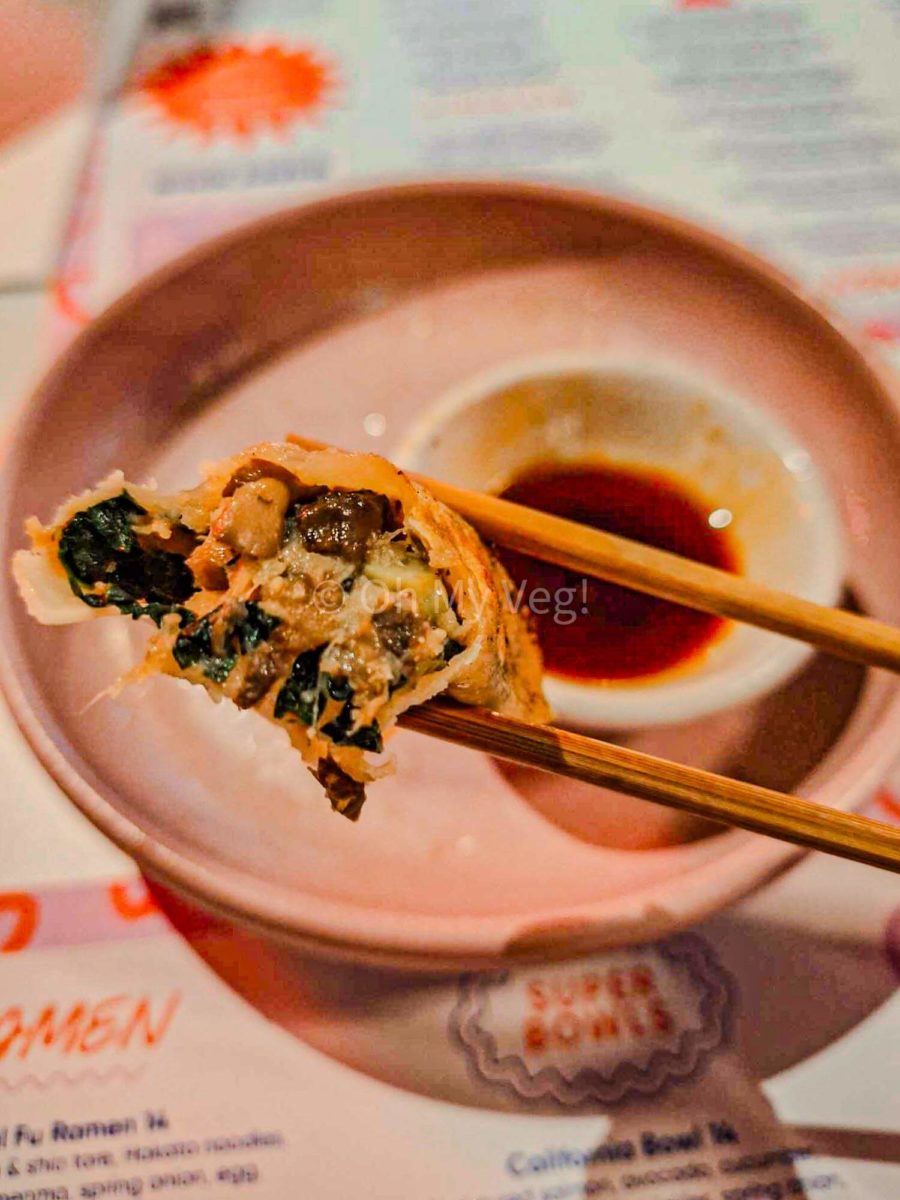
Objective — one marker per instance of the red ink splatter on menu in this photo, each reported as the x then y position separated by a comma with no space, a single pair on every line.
882,331
24,908
66,303
889,803
236,90
132,903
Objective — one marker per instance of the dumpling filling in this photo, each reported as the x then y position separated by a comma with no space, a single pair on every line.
319,606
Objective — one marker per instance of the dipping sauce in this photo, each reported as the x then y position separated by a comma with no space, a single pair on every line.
591,630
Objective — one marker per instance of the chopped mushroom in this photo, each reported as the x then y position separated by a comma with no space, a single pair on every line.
253,520
347,795
342,523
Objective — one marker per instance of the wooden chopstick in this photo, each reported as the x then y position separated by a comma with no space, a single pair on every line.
666,575
575,756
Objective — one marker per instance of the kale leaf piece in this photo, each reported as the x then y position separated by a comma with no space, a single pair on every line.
99,546
338,687
451,648
134,608
340,731
303,695
95,537
257,626
193,646
300,696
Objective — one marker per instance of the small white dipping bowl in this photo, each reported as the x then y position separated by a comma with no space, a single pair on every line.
756,477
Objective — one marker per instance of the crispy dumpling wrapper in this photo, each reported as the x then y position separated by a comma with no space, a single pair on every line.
324,589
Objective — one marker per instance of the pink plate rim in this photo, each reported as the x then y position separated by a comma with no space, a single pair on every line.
424,941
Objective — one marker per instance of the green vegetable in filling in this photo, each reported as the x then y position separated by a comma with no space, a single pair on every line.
451,648
338,687
98,546
303,696
341,732
300,696
257,626
193,646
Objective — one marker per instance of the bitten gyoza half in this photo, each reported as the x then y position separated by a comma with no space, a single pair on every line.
326,590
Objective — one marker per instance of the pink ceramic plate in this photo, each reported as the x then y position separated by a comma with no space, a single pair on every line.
374,303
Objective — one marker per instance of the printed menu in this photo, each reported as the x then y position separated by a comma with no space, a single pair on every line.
774,120
148,1048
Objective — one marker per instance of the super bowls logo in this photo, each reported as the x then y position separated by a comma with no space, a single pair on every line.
604,1029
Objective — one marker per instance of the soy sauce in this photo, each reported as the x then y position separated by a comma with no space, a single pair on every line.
592,630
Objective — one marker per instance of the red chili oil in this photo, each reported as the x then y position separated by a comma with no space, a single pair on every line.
592,630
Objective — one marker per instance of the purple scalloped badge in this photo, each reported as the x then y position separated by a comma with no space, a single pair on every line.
605,1028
